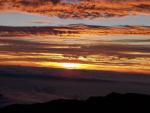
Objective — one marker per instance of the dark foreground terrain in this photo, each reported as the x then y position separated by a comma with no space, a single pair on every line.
112,103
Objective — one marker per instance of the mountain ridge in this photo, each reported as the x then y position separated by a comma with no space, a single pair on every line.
112,103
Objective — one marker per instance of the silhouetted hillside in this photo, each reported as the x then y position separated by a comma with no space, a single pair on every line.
112,103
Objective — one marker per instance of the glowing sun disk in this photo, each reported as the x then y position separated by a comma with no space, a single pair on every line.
70,65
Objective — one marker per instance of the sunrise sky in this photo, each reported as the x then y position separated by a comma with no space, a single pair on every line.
73,39
74,35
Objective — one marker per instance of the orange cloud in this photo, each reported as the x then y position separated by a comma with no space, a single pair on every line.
85,9
129,53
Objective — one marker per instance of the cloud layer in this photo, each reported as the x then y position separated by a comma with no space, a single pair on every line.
119,48
84,9
94,52
73,30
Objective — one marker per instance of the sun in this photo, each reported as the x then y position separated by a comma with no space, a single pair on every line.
70,65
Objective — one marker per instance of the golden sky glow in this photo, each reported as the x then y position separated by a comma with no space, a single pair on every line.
101,52
70,65
122,48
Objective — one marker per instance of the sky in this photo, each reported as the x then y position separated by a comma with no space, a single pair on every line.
104,35
50,50
27,19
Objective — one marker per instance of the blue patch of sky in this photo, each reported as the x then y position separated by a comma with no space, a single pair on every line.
25,19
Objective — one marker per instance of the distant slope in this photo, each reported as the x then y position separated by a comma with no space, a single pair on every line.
112,103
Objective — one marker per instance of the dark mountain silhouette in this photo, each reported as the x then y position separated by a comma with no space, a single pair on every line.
112,103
